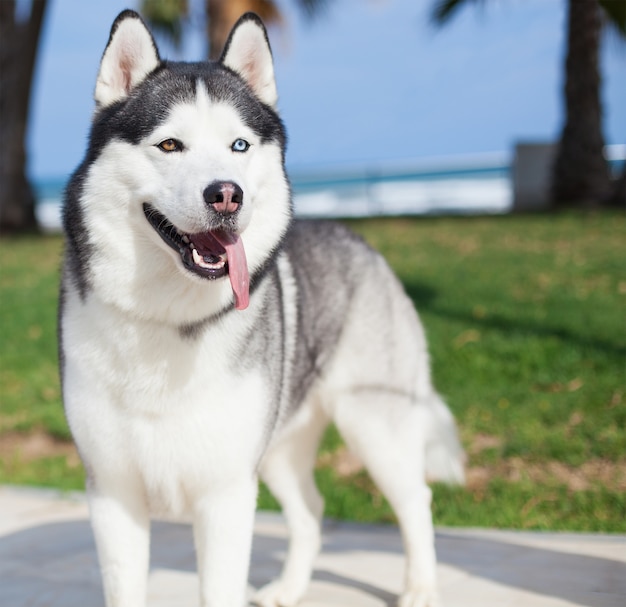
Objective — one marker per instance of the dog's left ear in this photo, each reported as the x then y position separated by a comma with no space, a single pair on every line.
248,53
129,57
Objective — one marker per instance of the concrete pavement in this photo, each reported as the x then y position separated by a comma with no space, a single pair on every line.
47,559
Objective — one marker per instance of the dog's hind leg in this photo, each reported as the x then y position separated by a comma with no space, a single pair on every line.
287,469
386,430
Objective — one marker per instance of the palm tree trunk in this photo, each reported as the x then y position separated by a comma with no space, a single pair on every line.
580,174
18,50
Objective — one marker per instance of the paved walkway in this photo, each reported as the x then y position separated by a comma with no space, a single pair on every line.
47,558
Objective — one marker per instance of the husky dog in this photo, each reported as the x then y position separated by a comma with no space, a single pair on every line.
207,338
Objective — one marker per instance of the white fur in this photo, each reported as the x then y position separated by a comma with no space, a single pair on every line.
133,263
172,425
158,443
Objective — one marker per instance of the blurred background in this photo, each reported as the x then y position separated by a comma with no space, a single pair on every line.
392,106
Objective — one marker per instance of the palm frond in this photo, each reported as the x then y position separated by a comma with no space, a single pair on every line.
312,8
615,11
444,10
166,17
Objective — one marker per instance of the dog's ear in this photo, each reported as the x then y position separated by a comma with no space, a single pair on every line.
129,57
248,53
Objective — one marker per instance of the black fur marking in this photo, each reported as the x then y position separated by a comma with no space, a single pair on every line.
136,116
60,350
148,105
78,249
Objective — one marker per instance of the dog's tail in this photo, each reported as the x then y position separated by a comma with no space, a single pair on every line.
445,458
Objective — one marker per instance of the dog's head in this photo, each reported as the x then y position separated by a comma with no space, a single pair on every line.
186,163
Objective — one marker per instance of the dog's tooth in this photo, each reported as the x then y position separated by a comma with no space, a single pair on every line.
185,238
196,257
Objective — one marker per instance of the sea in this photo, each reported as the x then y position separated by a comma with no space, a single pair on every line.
463,185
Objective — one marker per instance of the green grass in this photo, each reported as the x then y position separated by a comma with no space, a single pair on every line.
526,319
527,327
30,395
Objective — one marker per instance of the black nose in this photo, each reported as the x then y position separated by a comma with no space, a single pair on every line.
224,196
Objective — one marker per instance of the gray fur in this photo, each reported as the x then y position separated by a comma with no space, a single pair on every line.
321,255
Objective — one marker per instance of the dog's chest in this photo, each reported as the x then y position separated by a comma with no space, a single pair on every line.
204,440
177,412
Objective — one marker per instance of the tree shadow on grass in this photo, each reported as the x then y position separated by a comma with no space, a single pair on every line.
425,300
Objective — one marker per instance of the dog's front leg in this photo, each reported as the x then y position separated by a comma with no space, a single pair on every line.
121,526
223,529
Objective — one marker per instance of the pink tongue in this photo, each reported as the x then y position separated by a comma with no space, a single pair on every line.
237,267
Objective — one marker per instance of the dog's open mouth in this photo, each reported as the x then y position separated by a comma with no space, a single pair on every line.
210,255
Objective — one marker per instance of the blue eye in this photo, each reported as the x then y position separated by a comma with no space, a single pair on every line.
240,145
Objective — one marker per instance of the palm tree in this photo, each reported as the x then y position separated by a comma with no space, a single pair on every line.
580,174
19,41
167,16
19,37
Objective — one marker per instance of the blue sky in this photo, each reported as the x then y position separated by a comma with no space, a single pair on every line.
368,81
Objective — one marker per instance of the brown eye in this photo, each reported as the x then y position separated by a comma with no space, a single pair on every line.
170,145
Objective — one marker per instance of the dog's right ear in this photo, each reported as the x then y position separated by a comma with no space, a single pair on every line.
129,57
248,53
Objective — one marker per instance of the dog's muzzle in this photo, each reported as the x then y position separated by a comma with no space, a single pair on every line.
215,253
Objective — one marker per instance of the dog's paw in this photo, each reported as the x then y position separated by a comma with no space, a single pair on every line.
419,597
278,594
